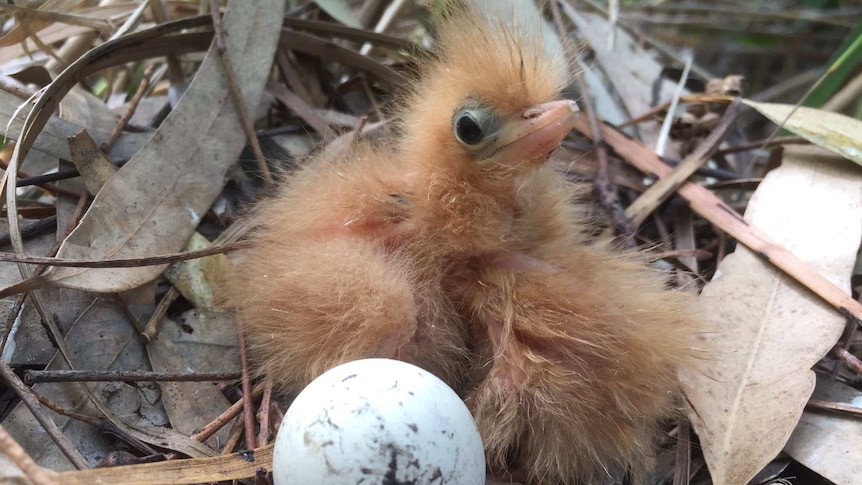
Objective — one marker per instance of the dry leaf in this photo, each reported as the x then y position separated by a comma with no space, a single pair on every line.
85,109
54,137
99,338
27,329
769,330
827,442
606,104
196,279
340,11
94,167
833,131
27,23
57,32
190,405
198,341
628,67
155,202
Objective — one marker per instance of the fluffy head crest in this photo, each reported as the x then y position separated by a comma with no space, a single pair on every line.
499,57
508,56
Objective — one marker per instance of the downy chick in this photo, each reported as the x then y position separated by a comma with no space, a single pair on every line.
455,247
580,344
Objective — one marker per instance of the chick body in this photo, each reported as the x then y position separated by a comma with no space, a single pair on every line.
584,352
466,255
336,278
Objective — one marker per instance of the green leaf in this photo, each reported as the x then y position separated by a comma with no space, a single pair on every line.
845,60
833,131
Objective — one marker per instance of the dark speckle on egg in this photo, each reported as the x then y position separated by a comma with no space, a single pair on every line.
438,475
391,477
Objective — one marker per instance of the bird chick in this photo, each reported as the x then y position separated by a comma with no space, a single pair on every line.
457,248
580,344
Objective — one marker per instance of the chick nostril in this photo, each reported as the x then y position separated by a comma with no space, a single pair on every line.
532,113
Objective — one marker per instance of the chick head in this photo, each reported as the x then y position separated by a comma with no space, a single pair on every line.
487,107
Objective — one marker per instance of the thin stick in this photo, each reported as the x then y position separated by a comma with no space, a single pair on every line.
84,418
263,435
848,359
848,341
246,385
222,419
35,376
127,262
233,438
781,140
160,311
835,406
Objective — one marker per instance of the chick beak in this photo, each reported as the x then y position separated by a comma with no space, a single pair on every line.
538,132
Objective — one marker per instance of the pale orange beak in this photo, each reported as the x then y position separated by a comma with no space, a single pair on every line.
532,138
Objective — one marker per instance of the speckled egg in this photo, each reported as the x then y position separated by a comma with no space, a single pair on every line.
378,421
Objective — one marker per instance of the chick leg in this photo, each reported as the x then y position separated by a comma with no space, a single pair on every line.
583,366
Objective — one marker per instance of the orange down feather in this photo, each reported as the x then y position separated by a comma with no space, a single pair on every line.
456,247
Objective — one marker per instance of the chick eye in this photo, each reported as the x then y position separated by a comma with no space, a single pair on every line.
467,129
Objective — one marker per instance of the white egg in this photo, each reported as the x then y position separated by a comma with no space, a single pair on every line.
378,421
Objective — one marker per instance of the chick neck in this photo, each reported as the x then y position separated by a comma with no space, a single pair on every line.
466,211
